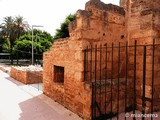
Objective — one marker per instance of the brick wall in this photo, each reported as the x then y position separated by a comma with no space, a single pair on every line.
142,18
70,93
88,29
100,24
26,77
34,77
18,75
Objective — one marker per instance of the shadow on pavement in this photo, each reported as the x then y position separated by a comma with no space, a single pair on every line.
36,109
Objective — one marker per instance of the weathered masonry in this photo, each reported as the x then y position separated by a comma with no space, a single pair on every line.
27,75
102,43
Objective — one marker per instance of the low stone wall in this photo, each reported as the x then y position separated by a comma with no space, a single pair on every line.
18,75
34,77
3,69
27,75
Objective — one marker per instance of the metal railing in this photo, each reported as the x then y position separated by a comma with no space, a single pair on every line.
121,74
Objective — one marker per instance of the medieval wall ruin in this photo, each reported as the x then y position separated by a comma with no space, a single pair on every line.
142,24
100,24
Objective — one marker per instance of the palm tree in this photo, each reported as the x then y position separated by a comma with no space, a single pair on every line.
6,26
12,28
20,26
7,31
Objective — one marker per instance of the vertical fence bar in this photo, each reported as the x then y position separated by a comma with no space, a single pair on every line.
144,81
92,83
112,78
93,101
95,91
100,75
95,64
153,55
134,87
118,80
105,78
85,65
91,64
126,74
87,78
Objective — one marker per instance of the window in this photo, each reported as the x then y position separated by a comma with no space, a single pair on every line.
58,74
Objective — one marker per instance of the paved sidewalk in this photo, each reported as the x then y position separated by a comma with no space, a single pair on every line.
23,102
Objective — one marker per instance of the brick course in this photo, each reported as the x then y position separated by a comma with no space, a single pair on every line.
26,76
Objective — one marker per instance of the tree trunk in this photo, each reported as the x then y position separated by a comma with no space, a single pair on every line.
17,58
11,51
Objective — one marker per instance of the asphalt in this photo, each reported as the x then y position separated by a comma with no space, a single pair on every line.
24,102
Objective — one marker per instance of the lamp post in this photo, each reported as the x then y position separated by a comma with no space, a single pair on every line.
33,42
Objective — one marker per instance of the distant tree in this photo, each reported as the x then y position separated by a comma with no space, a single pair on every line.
42,43
2,42
12,28
63,31
6,46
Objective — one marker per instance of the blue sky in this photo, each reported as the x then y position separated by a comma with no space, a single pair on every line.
48,13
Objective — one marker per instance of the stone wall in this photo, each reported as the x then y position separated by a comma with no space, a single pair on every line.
34,77
142,20
139,75
98,23
102,24
26,77
94,25
18,75
72,93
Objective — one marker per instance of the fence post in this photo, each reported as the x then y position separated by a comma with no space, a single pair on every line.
144,82
84,65
95,82
93,101
126,76
118,80
112,76
153,55
91,64
106,77
100,75
135,60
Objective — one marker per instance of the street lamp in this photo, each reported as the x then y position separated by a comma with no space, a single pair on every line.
33,42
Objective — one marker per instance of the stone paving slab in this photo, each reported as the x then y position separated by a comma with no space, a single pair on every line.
24,102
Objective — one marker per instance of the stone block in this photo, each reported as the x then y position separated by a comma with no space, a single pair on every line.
25,76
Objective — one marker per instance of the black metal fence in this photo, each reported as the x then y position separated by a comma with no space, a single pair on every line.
21,58
120,75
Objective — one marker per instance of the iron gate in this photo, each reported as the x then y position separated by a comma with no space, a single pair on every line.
122,78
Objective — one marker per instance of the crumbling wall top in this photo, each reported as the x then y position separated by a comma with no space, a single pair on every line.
95,0
122,3
97,4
